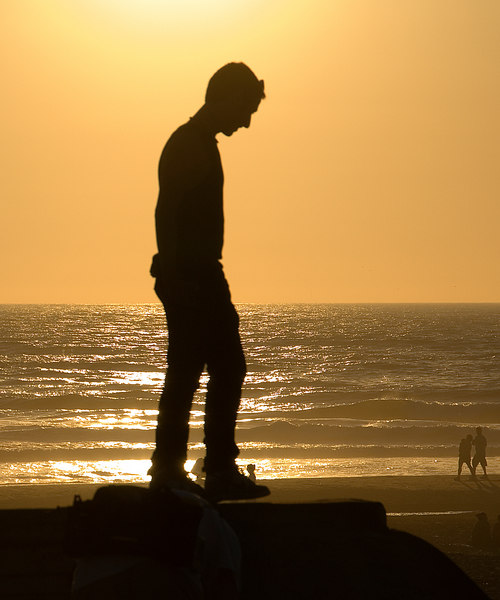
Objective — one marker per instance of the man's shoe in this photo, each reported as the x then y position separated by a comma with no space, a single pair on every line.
171,481
232,485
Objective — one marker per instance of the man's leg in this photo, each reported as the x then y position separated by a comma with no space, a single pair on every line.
172,431
226,367
185,365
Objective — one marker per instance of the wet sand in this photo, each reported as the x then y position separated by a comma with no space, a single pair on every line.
397,494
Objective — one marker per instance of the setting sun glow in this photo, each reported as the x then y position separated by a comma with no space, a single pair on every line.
369,173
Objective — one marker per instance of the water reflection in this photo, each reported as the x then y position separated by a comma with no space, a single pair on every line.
135,471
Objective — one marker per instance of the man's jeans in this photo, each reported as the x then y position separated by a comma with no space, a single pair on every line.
203,331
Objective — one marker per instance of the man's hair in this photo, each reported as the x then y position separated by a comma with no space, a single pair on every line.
234,80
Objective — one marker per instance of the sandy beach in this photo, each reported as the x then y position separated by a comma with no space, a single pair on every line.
439,510
397,494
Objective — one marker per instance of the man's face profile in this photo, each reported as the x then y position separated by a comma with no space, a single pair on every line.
238,113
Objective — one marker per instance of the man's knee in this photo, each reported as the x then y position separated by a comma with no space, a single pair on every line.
240,369
227,379
236,370
183,378
228,365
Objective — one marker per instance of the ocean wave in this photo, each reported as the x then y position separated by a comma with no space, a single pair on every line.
279,432
69,454
461,406
297,451
52,435
372,451
106,399
463,411
283,431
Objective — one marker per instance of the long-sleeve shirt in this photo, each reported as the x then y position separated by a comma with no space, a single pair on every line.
189,213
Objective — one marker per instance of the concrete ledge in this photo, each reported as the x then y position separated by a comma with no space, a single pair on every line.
325,550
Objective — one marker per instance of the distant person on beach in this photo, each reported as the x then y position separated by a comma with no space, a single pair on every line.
481,534
464,452
201,319
479,443
251,472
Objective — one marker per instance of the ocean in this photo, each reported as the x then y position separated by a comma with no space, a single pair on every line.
332,389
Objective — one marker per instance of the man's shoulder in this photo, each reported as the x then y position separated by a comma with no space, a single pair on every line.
184,143
186,131
187,134
185,159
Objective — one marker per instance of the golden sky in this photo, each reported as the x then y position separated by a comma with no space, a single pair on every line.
371,172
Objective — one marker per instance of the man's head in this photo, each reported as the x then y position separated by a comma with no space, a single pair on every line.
479,430
233,95
469,437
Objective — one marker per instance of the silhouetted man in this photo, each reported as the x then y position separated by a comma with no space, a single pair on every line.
202,321
464,452
479,443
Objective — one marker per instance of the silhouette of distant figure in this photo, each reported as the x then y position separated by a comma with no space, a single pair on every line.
251,472
495,534
464,452
479,443
202,321
481,534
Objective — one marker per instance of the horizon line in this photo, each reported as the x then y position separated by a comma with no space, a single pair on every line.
374,302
